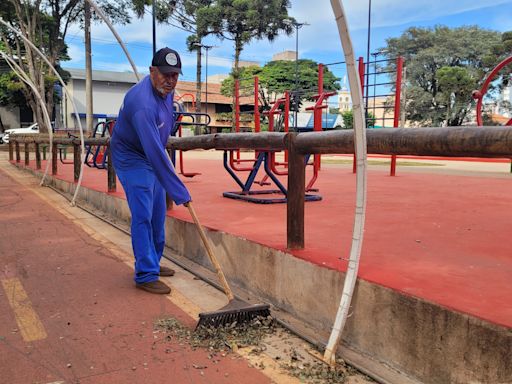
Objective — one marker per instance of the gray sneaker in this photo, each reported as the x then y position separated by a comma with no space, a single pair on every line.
154,287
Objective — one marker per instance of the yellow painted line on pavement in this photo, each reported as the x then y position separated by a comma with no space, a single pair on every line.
27,319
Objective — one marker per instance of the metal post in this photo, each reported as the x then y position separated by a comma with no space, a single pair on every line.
154,26
256,105
237,112
396,120
206,48
27,154
18,156
54,159
296,99
38,156
361,68
296,91
237,105
368,59
295,198
11,150
111,173
76,162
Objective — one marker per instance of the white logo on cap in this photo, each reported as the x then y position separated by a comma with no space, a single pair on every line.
171,59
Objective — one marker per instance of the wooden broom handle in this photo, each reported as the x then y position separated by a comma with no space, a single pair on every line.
213,259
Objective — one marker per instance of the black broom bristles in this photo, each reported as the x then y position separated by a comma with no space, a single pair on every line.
236,311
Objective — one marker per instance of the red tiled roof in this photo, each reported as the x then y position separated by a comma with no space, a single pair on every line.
187,89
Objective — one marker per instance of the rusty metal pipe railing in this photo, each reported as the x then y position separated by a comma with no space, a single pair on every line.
446,141
487,142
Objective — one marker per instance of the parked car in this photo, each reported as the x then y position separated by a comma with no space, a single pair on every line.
2,137
34,128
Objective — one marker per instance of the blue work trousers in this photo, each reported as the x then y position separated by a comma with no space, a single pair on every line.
146,199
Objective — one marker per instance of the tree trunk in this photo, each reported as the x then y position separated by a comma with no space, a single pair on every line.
88,69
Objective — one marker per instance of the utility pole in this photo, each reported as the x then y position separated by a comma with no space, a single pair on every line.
88,68
199,90
297,26
154,25
206,49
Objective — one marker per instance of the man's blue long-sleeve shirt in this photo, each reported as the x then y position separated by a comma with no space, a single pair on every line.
140,135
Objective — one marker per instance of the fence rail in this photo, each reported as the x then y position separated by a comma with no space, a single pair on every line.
488,142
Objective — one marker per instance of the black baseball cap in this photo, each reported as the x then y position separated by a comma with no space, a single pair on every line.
167,60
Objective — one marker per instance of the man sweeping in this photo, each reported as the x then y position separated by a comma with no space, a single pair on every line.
145,120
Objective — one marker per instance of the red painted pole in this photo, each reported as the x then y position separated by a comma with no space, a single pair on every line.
286,110
360,62
237,112
317,162
479,95
396,119
271,121
320,79
256,105
286,122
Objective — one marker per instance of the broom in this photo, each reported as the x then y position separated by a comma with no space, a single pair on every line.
236,310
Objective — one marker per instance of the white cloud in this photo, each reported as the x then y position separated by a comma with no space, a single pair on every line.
119,67
320,35
503,22
76,53
386,13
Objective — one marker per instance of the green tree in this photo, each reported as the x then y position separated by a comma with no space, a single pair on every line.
192,16
244,20
11,94
455,85
278,76
45,24
348,119
443,66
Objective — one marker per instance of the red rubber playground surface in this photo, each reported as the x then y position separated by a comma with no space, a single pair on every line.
441,237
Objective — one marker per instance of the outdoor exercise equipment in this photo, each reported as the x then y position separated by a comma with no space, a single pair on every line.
97,155
280,106
479,94
373,90
320,97
194,119
231,162
264,157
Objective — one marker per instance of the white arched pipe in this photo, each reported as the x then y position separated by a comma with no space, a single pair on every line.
26,79
114,32
102,15
27,41
359,216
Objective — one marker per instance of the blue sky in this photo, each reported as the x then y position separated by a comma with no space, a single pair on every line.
318,41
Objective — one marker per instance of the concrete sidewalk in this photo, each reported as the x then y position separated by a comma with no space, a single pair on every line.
434,282
69,312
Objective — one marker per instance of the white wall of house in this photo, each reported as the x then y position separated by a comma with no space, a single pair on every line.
107,98
109,89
